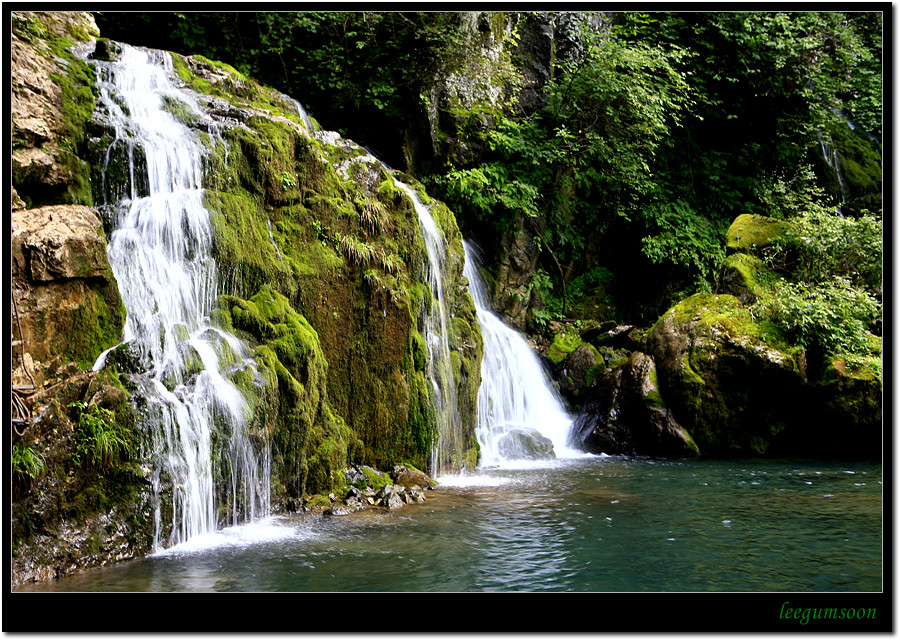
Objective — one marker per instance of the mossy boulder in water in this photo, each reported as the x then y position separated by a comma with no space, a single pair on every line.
732,382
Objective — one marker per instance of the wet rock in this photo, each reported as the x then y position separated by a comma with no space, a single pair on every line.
409,477
390,497
525,443
626,415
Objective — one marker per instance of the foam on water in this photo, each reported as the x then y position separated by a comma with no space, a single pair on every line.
265,531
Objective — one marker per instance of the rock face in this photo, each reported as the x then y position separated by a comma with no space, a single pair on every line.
626,415
67,300
514,266
72,507
51,104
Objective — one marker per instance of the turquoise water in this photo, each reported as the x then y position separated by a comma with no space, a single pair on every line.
594,524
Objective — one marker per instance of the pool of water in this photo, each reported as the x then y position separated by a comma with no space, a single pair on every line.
591,524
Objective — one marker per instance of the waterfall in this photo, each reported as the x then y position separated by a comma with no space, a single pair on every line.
830,154
450,443
520,417
160,250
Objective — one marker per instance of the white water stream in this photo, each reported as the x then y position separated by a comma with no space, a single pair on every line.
520,418
450,443
160,250
519,412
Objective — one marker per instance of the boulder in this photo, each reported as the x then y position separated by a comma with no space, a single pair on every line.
525,443
61,242
750,232
626,415
411,477
732,382
739,277
578,372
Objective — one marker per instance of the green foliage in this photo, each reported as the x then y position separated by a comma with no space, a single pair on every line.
685,238
864,105
360,72
27,462
830,245
832,315
644,148
99,437
835,265
584,160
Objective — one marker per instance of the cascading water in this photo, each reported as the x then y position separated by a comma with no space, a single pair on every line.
520,417
830,154
450,443
160,250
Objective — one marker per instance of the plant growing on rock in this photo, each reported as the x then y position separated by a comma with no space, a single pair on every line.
99,438
26,462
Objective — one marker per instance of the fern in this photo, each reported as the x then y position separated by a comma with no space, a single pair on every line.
356,250
374,216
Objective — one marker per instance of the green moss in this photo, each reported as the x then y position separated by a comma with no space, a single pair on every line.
349,260
376,479
752,271
749,232
318,500
180,110
654,398
563,344
95,326
726,313
861,168
241,241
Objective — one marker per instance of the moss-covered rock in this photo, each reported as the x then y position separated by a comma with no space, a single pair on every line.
749,232
289,397
743,276
731,382
860,166
79,506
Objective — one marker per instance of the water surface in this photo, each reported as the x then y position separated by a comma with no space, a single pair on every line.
604,524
